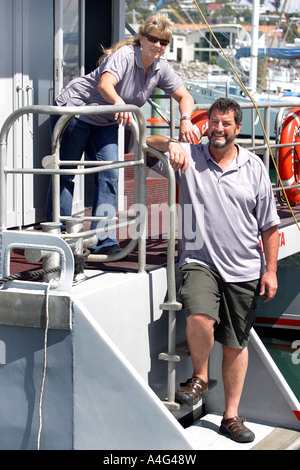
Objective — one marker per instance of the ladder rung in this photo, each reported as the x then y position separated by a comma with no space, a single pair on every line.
175,406
182,351
171,405
174,306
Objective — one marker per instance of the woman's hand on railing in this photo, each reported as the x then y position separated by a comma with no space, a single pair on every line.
124,117
106,88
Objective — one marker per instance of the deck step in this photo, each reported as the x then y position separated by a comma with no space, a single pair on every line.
205,435
280,439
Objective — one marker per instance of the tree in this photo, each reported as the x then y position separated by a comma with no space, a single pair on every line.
276,4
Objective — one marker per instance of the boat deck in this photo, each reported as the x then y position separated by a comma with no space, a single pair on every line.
286,217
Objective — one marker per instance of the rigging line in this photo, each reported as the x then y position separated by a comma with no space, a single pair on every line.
258,113
199,30
191,20
44,366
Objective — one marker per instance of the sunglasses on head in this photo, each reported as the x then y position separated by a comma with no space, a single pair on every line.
154,39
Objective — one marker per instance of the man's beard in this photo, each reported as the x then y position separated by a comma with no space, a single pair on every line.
219,145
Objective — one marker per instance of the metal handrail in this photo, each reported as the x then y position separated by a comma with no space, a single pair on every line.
171,305
67,113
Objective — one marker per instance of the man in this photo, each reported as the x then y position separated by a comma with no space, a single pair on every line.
223,269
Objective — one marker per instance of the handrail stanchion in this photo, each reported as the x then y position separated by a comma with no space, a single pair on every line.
253,126
56,141
3,185
171,305
142,198
266,154
53,260
172,117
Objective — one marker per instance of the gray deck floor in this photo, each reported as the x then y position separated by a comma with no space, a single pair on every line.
205,435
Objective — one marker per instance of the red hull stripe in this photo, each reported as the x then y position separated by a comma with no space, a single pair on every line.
278,321
297,413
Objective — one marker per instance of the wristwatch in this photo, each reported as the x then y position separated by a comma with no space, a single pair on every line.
185,117
171,140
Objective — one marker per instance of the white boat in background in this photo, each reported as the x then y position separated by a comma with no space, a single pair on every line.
92,347
207,82
281,84
217,86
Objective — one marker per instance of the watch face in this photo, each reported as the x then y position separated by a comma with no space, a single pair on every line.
171,140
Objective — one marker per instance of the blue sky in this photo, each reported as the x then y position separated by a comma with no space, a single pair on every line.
294,6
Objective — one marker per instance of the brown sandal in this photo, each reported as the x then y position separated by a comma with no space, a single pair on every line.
236,429
191,391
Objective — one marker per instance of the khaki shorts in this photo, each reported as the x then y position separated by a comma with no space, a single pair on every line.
232,305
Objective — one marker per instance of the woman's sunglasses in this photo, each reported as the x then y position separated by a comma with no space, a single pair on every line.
154,39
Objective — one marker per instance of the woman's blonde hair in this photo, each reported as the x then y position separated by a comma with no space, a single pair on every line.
157,23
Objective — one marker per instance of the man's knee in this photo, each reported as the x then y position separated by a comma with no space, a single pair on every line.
201,320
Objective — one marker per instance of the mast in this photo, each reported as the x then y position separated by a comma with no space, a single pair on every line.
254,46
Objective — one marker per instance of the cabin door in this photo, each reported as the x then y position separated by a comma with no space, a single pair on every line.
68,61
27,78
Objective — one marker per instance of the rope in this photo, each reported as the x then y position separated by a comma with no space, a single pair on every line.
44,366
79,259
82,259
28,275
258,113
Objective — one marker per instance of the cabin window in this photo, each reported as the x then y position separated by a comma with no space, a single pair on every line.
71,48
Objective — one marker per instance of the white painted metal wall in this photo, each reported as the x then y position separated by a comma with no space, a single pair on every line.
26,78
29,50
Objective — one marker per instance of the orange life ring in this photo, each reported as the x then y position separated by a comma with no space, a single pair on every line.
156,120
287,167
200,123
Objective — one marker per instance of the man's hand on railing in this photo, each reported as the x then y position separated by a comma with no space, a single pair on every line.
179,159
186,131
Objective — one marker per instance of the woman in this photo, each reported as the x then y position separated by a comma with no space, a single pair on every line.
127,74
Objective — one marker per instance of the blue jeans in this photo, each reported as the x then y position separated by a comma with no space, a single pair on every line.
99,143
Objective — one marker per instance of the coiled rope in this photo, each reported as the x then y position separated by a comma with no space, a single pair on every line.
28,275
